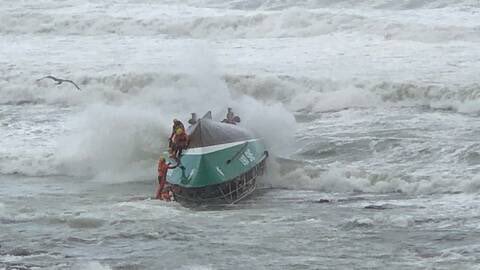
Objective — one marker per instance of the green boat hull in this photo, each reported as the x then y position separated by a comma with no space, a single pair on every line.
228,192
216,164
222,163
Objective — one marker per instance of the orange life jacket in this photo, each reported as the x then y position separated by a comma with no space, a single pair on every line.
180,139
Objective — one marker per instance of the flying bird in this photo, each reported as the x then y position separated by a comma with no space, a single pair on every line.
59,81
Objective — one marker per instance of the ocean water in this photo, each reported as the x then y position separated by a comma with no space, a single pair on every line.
370,110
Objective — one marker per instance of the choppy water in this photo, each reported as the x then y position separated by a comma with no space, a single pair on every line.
370,107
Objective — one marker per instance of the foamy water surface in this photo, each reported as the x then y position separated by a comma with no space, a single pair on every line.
370,110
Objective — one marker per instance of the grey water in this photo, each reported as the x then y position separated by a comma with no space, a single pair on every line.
370,110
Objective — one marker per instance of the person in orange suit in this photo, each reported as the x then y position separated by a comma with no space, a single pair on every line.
163,168
180,142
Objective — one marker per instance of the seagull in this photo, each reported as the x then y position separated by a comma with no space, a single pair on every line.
59,81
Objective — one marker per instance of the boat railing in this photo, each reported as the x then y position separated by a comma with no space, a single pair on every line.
243,185
234,190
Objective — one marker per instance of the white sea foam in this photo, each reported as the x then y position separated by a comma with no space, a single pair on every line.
296,93
342,178
291,21
267,60
385,96
122,141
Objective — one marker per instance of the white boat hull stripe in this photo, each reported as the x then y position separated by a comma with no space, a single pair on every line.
214,148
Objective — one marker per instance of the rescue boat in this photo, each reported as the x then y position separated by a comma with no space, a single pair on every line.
220,165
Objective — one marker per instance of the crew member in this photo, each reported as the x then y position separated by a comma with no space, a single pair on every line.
176,125
231,118
163,167
180,142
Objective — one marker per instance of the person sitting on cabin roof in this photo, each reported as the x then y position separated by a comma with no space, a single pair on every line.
231,118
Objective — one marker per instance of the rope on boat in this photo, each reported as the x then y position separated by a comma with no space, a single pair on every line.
237,153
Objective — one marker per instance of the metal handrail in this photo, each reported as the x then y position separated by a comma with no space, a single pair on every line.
246,182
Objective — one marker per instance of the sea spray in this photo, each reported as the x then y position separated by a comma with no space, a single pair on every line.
122,142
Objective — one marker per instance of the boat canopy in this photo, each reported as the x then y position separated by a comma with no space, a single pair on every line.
207,132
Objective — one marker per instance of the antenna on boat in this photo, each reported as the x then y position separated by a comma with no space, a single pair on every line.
238,153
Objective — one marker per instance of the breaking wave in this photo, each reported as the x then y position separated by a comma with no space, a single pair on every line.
122,137
289,22
377,4
118,123
342,178
298,94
